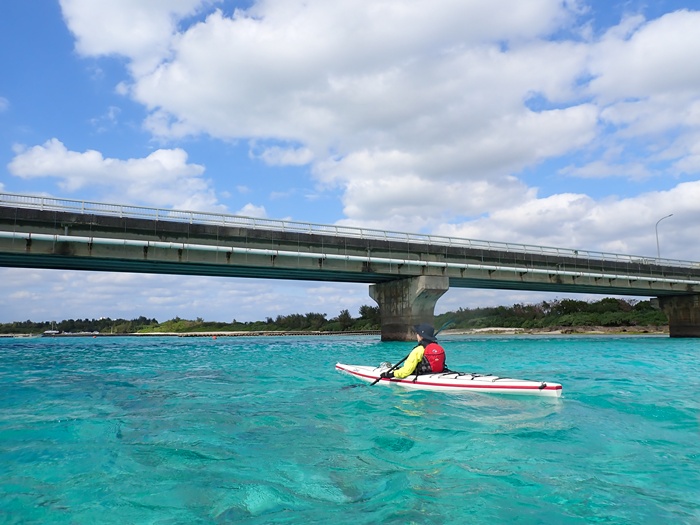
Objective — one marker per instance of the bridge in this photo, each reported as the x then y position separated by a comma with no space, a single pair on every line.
407,272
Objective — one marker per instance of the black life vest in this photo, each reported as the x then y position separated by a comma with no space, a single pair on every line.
433,361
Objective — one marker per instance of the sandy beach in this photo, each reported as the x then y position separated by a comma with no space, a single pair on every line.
584,330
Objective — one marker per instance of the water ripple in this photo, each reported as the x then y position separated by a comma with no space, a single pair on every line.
263,430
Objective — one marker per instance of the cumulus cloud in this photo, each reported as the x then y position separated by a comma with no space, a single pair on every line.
690,163
251,210
650,58
442,100
645,77
123,295
163,178
613,225
141,31
398,105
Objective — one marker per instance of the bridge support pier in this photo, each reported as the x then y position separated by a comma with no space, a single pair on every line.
405,303
683,312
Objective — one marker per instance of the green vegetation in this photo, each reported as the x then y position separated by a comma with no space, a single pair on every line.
608,312
104,325
368,320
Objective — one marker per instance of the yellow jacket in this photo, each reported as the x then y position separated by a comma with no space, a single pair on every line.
411,363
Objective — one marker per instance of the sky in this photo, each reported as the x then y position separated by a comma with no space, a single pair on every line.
564,123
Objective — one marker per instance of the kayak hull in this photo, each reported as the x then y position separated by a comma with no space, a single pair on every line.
457,382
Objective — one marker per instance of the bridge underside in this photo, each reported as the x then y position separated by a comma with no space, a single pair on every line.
323,270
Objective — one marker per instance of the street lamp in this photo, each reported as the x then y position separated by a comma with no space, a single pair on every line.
658,252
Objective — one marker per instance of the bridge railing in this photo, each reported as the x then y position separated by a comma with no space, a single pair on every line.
227,220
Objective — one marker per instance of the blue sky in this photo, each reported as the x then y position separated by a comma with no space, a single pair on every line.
559,123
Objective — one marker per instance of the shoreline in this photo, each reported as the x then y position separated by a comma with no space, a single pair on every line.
568,330
253,333
563,330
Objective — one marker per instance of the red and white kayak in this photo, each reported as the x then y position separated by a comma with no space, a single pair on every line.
457,382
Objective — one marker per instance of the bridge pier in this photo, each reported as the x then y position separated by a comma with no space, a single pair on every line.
405,303
683,312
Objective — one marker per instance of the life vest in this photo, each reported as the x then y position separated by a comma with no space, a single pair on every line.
433,361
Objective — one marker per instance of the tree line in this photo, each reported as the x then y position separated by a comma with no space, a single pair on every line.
608,312
104,325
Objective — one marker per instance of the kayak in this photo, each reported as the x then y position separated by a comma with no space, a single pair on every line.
456,382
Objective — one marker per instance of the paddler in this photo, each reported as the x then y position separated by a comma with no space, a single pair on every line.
428,357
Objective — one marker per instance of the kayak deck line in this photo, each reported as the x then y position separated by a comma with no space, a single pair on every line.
453,381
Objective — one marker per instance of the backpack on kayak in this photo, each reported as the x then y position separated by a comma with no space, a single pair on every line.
433,361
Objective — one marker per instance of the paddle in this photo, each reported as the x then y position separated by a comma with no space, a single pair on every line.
396,366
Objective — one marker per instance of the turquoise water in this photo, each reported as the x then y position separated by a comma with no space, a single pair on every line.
264,430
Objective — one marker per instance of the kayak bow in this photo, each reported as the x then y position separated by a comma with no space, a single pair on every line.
457,382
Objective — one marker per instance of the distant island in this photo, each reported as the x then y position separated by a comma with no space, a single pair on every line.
559,316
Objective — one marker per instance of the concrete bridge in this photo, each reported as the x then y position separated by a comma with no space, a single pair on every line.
407,273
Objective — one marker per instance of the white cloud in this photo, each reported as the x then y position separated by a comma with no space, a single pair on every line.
250,210
690,164
423,116
336,82
35,293
401,94
106,121
645,79
304,73
4,104
657,57
163,178
614,225
135,29
276,156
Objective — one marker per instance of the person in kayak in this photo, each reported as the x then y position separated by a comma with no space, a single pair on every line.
428,357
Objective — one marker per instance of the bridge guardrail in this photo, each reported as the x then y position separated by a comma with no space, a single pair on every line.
228,220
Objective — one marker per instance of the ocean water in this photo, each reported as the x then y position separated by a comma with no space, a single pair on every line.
166,430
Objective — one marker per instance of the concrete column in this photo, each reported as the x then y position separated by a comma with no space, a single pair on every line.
407,302
683,312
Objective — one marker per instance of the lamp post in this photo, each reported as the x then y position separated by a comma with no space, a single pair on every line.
658,251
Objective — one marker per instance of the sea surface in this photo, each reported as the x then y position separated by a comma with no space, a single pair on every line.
168,430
